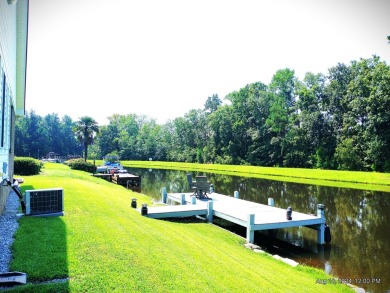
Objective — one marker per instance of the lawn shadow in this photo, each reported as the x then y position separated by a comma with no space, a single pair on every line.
186,220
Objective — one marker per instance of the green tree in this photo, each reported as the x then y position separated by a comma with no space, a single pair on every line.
189,135
212,103
85,130
52,129
358,102
367,122
336,103
21,136
347,155
281,113
35,136
247,107
315,140
221,142
69,145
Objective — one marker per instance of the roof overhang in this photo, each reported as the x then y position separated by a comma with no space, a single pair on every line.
22,8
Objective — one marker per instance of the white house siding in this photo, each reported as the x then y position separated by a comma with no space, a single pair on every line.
8,40
13,53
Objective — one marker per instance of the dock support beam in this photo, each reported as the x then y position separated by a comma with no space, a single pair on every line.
164,195
210,211
321,227
250,232
236,194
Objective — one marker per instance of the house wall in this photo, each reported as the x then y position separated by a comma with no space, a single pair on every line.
13,53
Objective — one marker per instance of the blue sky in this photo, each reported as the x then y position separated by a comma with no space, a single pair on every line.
163,58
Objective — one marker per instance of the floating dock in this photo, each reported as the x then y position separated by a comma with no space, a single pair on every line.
253,216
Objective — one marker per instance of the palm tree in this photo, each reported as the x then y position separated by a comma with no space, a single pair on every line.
85,131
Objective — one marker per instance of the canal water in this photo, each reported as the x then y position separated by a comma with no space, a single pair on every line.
359,252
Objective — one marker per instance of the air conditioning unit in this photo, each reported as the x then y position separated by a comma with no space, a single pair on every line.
45,202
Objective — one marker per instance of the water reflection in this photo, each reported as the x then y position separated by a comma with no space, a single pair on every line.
359,222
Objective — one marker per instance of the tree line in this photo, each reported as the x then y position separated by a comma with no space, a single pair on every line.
36,136
340,120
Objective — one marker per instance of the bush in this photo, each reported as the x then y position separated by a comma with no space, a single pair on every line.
27,166
80,164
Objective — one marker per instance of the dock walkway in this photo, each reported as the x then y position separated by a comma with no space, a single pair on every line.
124,179
253,216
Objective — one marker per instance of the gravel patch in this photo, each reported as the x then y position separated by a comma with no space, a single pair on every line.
8,226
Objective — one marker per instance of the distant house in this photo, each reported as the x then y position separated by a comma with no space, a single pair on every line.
13,60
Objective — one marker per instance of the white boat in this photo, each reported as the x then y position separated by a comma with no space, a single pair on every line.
111,164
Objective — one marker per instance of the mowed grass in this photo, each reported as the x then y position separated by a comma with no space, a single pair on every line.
103,245
347,179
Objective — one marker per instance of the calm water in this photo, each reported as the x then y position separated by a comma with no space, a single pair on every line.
359,220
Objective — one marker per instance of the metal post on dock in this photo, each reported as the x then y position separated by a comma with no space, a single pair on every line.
321,227
193,199
321,210
250,232
182,199
164,194
210,211
236,195
271,203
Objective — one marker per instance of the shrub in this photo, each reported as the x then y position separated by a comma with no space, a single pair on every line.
80,164
27,166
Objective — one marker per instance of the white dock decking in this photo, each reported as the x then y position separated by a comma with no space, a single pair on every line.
253,216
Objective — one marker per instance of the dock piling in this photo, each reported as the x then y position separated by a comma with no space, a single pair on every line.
271,202
164,194
210,211
236,195
250,232
193,199
321,210
183,199
321,227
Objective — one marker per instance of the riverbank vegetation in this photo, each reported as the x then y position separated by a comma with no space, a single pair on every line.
339,120
103,245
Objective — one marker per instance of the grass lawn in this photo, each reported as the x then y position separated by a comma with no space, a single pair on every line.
347,179
103,245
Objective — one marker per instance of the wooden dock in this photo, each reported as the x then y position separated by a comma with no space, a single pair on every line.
253,216
125,179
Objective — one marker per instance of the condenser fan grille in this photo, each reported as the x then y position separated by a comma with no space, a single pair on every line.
45,201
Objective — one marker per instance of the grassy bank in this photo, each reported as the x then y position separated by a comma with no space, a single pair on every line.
103,245
346,179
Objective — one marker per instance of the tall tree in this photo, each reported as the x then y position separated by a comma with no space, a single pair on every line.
212,103
70,145
315,140
52,128
221,144
85,130
282,113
